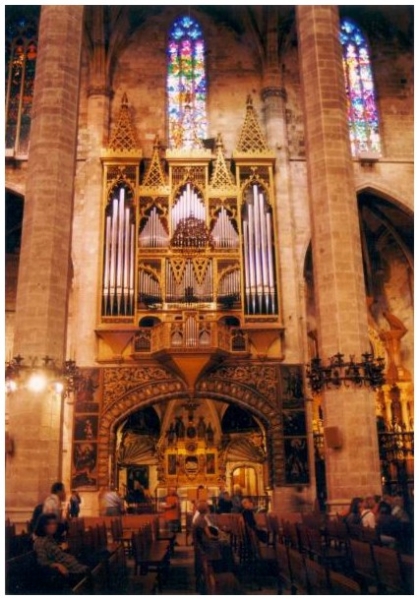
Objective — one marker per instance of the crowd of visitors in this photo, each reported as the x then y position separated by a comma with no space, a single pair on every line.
384,513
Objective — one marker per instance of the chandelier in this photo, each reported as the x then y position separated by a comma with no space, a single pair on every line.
368,372
41,375
191,234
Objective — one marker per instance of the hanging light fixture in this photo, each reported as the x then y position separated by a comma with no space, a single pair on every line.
367,372
40,375
191,235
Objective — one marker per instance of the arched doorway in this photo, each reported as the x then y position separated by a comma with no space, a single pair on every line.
184,444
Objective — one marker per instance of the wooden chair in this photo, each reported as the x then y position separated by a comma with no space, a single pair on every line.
262,558
150,557
273,528
337,534
407,564
290,535
283,565
370,535
363,566
303,540
118,535
222,584
325,554
389,570
298,572
340,584
317,578
188,526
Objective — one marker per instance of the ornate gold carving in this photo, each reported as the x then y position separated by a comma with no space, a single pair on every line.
200,266
178,268
155,176
251,140
262,378
120,174
181,175
124,140
222,178
119,381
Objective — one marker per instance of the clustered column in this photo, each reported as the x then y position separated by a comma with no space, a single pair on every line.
44,271
353,469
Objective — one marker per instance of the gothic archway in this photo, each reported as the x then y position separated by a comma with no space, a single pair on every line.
127,389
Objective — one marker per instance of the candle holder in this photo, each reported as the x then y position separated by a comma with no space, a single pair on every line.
368,372
41,374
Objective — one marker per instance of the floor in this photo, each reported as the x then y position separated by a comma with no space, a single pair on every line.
181,578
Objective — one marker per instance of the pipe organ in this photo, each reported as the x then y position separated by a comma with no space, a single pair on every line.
196,234
259,272
119,257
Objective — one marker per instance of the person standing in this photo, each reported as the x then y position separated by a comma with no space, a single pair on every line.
172,511
74,505
114,504
53,504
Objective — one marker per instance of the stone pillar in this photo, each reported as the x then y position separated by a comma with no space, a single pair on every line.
273,96
89,216
44,270
352,470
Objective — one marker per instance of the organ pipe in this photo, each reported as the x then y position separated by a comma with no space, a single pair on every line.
153,235
223,233
118,273
188,289
258,255
189,204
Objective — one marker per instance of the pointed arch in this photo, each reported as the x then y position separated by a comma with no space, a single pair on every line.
363,118
186,84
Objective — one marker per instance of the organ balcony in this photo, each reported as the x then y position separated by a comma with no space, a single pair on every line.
190,335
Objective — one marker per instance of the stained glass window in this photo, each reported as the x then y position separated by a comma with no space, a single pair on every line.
362,108
186,84
21,54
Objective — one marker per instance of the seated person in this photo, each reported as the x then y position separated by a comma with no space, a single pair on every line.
209,537
249,519
58,567
367,512
387,525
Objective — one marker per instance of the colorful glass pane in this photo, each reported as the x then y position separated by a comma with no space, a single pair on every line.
186,84
362,110
21,54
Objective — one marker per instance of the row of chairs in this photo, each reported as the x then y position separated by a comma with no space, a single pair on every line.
302,575
151,556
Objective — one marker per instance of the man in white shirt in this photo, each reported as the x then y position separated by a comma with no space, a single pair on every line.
367,515
53,502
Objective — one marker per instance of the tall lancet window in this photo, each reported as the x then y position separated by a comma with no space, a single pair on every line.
259,256
186,85
119,253
362,108
21,55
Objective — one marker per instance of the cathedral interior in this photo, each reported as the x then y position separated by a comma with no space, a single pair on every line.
209,252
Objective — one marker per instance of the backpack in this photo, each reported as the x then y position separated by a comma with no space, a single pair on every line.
37,512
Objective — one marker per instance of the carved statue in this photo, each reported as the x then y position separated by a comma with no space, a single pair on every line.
392,341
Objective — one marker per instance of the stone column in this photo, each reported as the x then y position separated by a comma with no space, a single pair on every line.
44,271
273,96
341,305
89,211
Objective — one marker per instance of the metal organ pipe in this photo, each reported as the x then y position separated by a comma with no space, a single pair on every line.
271,275
118,278
223,233
153,235
258,255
